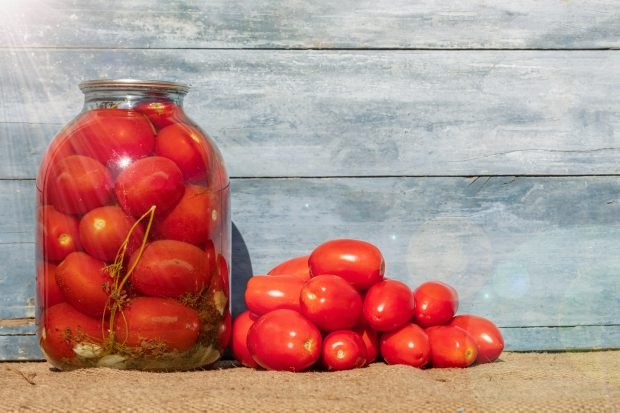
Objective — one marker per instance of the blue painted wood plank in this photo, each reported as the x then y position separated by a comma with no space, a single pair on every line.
318,24
26,347
521,251
347,113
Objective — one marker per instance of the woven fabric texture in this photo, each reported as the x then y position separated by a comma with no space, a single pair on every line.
519,382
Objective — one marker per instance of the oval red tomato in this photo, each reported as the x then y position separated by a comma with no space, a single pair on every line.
161,323
193,218
239,343
77,184
103,230
343,350
268,293
358,262
435,303
330,302
408,345
187,146
162,114
169,268
84,283
59,233
48,292
63,327
370,338
451,347
152,181
115,137
388,305
488,338
284,340
224,332
297,267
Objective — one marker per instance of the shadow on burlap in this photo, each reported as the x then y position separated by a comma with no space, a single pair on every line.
526,382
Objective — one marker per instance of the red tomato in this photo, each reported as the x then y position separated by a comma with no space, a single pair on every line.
223,334
358,262
408,345
83,282
264,294
193,218
239,344
169,268
77,184
343,350
147,182
284,340
58,149
115,137
435,303
330,302
388,305
371,341
451,346
48,293
59,233
63,327
187,146
103,230
297,267
157,322
488,338
223,275
162,114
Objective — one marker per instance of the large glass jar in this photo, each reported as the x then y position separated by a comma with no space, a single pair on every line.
133,234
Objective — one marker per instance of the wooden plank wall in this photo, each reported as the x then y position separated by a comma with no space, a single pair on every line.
475,142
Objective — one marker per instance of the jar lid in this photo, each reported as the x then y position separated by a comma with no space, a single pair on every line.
134,84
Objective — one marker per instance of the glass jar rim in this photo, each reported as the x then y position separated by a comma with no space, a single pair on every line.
134,84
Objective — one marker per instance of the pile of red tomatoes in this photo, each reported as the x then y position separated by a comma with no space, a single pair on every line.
335,310
132,241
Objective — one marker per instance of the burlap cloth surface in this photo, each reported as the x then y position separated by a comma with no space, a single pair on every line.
520,382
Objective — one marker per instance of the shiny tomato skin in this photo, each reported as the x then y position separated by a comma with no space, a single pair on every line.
63,326
343,350
239,340
408,345
224,332
58,149
162,114
370,338
83,282
435,303
103,230
187,146
169,268
113,136
59,233
488,338
451,347
358,262
267,293
48,292
330,302
159,321
149,181
284,340
297,267
77,184
193,218
388,305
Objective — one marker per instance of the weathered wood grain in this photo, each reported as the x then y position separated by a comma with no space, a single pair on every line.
522,251
345,24
342,113
25,346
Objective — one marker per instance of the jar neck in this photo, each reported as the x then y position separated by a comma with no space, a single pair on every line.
128,98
